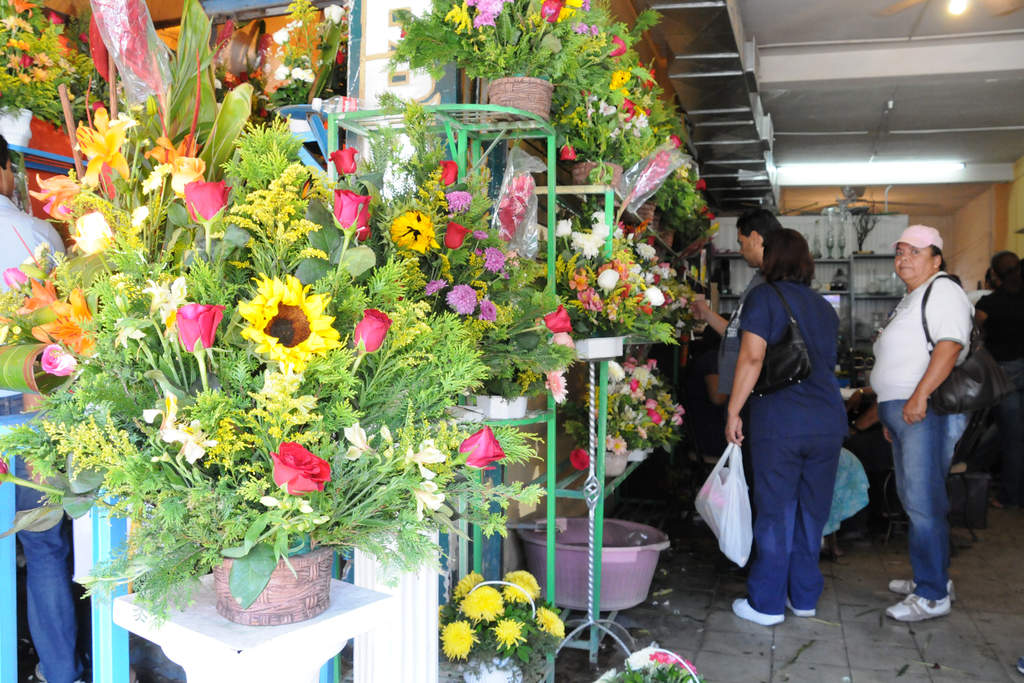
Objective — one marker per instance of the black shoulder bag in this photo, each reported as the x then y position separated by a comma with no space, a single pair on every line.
786,362
976,383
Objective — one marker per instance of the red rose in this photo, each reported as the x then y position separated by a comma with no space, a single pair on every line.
371,330
206,199
700,185
455,235
620,47
352,210
655,416
298,470
3,466
567,153
55,18
483,449
344,160
629,107
676,141
710,216
449,172
198,322
558,321
550,10
579,459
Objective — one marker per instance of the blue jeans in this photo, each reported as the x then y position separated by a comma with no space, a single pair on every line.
1010,416
792,495
922,453
51,606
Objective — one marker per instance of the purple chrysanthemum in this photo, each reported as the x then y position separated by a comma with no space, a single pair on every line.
488,311
594,30
435,286
459,201
480,234
494,259
586,5
462,299
581,28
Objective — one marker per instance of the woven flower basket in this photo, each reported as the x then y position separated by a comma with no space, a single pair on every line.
581,172
288,598
522,92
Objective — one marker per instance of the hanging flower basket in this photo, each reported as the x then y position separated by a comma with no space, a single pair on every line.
522,92
495,671
646,213
581,172
288,598
15,126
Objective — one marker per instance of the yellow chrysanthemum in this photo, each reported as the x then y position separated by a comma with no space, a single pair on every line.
102,144
287,324
549,622
414,230
466,584
524,580
484,604
508,633
457,639
459,16
619,79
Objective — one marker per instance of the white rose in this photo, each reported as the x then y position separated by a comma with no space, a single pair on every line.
92,233
281,73
563,228
615,370
654,296
645,251
607,280
334,14
281,36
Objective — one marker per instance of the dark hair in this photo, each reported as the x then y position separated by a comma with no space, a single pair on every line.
786,257
942,259
5,155
761,221
1004,263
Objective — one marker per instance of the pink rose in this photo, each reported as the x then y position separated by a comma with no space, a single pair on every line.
298,470
344,160
620,47
651,404
655,416
563,339
550,10
483,448
14,278
352,210
198,322
3,466
676,141
206,199
371,330
57,361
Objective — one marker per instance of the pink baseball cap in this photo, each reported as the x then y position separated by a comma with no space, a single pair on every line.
920,236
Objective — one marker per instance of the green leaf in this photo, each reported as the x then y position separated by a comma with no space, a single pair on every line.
527,341
231,118
87,267
524,652
358,260
256,529
236,236
36,519
78,506
20,369
250,574
85,481
167,386
312,269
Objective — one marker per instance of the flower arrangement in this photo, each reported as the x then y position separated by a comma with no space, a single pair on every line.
222,400
38,55
683,207
486,623
641,412
495,38
653,665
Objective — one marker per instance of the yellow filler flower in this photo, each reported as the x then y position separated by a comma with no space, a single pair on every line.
459,16
102,144
414,230
457,639
287,324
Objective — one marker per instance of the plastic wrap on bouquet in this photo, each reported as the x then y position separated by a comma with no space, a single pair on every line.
516,216
141,57
643,178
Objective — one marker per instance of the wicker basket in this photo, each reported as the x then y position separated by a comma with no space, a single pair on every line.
522,92
288,598
581,172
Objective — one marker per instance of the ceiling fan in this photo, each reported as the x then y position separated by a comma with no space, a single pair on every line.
995,7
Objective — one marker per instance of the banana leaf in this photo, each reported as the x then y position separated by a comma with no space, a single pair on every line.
231,119
192,62
20,370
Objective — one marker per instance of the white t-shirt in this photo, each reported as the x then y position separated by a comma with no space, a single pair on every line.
901,350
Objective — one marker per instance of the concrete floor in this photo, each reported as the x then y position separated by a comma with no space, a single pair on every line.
851,639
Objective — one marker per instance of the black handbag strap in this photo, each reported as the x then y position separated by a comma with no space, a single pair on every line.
924,319
789,312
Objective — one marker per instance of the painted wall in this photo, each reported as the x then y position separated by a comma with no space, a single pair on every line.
972,235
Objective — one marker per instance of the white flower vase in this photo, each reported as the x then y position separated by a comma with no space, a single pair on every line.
495,671
638,454
15,126
615,463
599,348
501,408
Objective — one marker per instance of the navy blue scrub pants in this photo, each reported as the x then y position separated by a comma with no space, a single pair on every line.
793,483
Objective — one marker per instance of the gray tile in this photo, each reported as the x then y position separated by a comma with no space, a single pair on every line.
725,620
811,673
733,643
910,674
793,650
721,668
807,628
878,658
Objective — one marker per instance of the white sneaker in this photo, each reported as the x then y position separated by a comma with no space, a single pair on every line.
915,608
741,608
800,612
907,586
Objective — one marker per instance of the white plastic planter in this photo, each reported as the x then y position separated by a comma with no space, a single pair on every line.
501,408
15,126
599,348
497,671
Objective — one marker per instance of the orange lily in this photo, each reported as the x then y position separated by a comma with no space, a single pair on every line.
166,153
56,192
102,144
23,5
185,170
43,294
67,328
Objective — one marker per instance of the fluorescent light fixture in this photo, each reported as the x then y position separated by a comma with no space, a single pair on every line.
872,173
957,7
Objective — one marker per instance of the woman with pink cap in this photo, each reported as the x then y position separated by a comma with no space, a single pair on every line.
910,363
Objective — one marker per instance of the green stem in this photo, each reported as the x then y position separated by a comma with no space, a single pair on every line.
199,351
28,483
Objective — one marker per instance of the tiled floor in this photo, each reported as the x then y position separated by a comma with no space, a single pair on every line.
851,639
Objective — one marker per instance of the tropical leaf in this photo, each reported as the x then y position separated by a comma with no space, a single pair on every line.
36,519
231,119
20,370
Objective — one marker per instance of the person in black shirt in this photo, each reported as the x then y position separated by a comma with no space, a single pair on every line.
1001,317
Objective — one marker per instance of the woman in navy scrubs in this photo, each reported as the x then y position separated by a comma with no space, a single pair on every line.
797,434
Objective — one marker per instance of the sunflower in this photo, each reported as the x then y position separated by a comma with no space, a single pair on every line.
526,582
509,633
457,639
414,230
549,622
482,604
466,584
287,324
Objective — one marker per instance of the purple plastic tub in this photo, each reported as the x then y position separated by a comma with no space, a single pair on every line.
628,560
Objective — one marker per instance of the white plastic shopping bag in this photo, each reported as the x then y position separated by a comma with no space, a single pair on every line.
723,502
